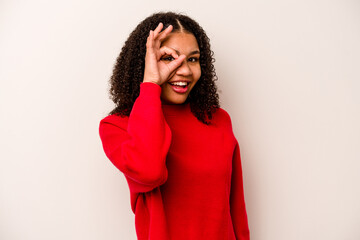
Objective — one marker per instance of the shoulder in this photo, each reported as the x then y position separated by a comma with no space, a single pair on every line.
222,117
222,121
114,118
114,121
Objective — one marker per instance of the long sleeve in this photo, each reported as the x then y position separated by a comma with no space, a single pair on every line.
237,201
138,145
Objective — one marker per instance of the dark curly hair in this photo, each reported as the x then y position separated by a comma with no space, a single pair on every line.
128,71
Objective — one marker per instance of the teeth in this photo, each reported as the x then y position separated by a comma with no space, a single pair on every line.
179,83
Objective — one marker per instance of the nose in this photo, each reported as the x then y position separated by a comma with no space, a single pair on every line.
184,69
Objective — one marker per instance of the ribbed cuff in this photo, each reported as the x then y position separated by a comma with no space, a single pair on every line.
150,90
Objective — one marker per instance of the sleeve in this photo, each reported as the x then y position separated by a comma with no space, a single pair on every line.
237,201
139,148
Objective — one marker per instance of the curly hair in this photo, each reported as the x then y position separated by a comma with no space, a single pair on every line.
128,71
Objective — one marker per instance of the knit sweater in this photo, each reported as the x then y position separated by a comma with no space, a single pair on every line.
184,176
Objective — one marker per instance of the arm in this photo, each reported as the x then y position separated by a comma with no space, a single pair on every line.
237,202
139,148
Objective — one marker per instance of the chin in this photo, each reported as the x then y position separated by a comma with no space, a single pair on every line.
174,100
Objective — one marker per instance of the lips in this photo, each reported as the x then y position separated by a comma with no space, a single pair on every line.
180,86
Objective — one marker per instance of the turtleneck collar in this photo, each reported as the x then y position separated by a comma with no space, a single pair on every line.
173,109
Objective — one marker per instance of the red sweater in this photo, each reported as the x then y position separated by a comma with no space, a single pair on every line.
184,176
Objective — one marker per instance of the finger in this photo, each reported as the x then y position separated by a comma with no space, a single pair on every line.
149,40
165,33
158,29
176,63
168,51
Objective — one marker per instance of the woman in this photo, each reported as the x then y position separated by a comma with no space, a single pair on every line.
170,138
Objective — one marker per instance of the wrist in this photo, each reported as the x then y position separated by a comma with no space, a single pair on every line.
149,90
151,81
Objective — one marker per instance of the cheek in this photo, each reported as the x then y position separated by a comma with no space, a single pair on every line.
196,72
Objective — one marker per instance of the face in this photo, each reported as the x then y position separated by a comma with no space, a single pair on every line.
181,82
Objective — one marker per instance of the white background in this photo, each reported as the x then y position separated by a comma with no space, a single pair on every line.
288,75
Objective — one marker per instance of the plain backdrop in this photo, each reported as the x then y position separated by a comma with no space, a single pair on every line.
288,76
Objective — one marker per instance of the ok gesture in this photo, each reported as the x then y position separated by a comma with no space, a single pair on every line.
156,70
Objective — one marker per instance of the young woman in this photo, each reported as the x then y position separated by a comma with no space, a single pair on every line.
170,138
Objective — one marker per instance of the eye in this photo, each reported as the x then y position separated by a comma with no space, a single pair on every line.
193,59
168,58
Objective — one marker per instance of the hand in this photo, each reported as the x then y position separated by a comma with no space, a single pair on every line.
156,70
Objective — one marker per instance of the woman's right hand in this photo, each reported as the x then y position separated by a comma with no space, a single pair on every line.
156,70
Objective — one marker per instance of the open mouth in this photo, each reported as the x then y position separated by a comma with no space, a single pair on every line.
179,84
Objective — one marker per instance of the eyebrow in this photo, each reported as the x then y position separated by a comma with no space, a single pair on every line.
191,53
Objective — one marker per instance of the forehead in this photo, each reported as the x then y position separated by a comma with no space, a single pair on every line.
181,42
